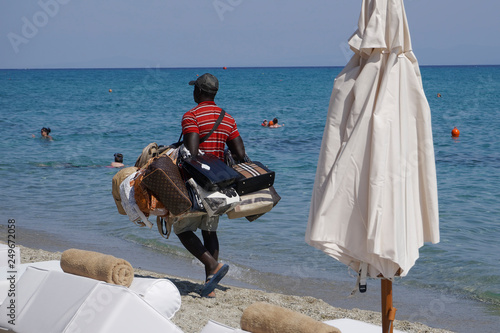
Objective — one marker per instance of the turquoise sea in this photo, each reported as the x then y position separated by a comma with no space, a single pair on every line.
59,192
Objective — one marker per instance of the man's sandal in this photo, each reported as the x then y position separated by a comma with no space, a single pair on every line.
213,280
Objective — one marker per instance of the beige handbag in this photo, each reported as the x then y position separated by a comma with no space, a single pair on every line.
258,202
117,180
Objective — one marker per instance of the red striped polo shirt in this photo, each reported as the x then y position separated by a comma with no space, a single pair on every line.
201,120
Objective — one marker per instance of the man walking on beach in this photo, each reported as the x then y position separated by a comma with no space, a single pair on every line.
196,123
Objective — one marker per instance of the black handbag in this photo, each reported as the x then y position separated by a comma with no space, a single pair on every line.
209,172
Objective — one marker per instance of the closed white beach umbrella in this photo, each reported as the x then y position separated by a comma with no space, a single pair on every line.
374,201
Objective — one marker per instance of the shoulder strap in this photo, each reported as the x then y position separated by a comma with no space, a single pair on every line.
217,123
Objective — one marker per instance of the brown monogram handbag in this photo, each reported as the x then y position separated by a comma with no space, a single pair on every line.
163,179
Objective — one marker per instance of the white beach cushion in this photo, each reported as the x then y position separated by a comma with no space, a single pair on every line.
346,325
52,301
22,297
45,302
20,269
118,310
161,294
215,327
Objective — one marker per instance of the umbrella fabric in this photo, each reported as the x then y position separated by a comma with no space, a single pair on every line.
374,199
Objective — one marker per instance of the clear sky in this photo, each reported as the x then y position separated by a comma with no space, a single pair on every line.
213,33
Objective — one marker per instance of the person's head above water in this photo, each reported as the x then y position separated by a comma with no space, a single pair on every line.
118,158
45,134
45,131
205,88
118,163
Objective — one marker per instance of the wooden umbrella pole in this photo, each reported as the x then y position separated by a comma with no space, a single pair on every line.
388,311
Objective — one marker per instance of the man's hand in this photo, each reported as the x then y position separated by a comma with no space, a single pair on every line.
237,148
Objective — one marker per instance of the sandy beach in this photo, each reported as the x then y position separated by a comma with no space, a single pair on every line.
230,302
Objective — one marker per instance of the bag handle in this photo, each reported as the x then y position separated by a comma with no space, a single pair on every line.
163,229
205,137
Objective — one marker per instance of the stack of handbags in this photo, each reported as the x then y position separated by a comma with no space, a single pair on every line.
214,188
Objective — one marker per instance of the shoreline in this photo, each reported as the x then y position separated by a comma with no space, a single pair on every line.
230,302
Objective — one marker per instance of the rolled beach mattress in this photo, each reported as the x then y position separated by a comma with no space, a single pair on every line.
98,266
161,294
262,317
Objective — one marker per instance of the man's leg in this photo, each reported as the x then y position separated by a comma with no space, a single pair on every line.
208,254
211,243
193,244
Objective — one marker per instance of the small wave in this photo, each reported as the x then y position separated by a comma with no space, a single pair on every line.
59,165
158,245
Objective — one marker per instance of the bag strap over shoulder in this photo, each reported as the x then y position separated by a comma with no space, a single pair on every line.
205,137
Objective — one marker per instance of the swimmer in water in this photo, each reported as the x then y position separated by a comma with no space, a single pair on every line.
274,123
264,123
45,134
118,163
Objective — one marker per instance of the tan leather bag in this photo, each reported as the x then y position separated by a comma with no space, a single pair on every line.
117,180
